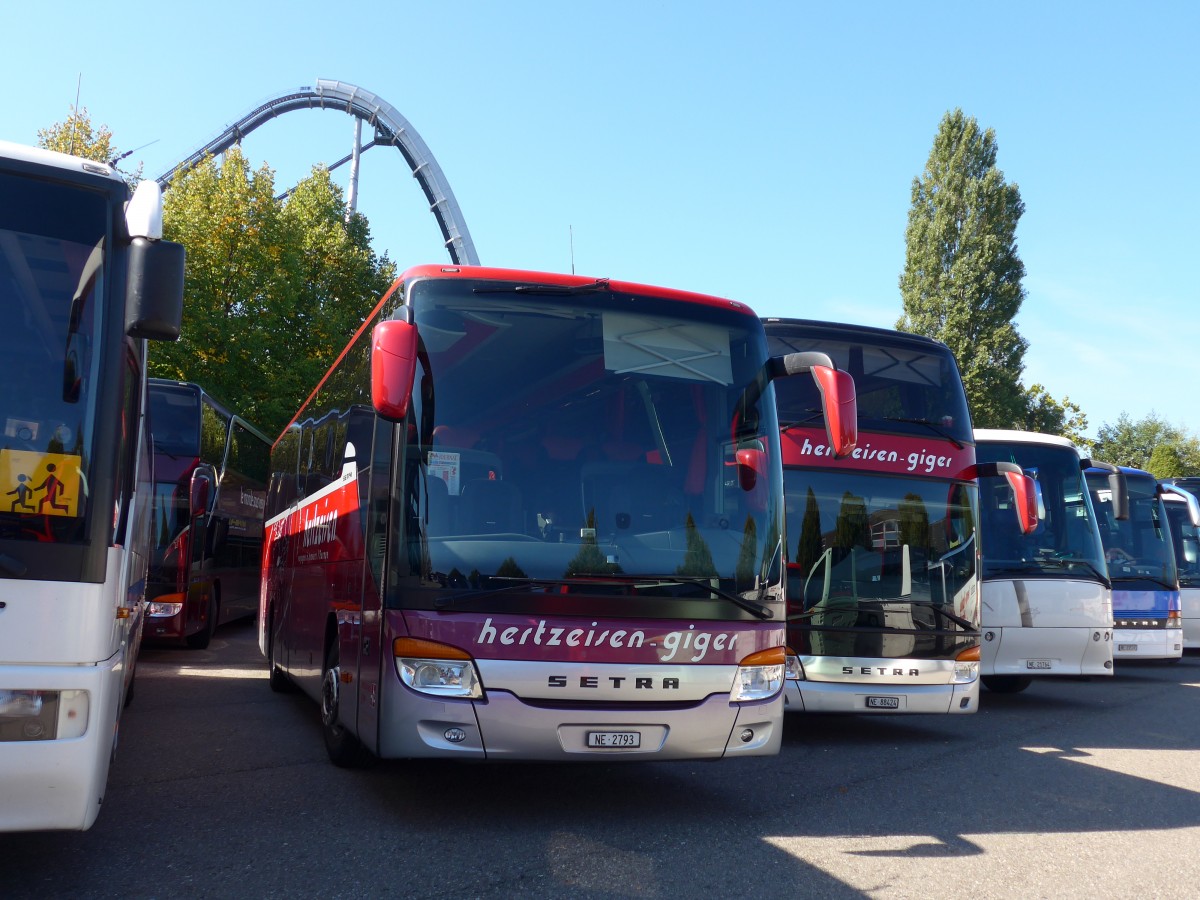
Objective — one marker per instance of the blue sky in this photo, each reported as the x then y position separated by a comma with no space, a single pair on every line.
763,151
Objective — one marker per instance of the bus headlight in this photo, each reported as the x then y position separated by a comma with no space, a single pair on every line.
165,606
966,666
759,675
794,670
438,669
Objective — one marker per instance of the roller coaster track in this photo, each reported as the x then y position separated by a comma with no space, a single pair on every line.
391,129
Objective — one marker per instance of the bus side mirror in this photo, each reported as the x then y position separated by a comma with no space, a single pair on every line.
751,464
1193,504
199,494
154,289
840,405
1024,489
1025,498
393,368
838,402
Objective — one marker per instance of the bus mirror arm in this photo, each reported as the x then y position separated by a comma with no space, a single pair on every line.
393,367
1116,484
838,400
1193,505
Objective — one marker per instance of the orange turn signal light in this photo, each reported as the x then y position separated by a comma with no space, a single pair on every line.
969,655
776,656
420,648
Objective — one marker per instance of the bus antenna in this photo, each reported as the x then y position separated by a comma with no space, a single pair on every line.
571,232
75,116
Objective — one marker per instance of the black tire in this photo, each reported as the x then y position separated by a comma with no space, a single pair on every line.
344,748
1006,684
202,638
278,679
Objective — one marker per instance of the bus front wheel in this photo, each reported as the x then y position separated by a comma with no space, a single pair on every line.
1006,684
343,747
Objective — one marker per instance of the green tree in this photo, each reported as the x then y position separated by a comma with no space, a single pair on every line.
1129,443
853,528
810,546
914,523
697,557
747,564
961,282
1165,462
1049,416
274,290
77,136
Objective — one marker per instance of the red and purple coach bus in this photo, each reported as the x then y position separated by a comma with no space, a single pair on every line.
538,517
210,488
884,557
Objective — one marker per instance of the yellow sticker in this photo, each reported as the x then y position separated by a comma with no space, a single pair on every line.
39,484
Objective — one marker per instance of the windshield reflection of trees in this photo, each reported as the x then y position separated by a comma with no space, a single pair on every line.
874,562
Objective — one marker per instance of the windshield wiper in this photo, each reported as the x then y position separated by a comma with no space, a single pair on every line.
1153,579
929,604
601,578
751,606
1065,561
556,290
932,426
815,414
821,607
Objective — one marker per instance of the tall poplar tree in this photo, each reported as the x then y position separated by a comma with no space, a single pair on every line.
962,276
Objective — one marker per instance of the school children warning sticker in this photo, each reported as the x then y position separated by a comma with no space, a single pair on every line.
39,484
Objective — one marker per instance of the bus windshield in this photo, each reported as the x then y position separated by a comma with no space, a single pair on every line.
1186,539
1064,544
902,387
1137,548
878,554
626,455
52,240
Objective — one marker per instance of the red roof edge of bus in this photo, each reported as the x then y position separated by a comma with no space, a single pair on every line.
563,280
518,275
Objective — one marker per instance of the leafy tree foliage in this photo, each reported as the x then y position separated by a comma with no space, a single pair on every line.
1045,414
1165,462
274,290
1129,443
962,276
77,136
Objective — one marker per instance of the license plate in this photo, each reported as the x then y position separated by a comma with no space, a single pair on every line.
623,739
883,703
1037,664
1127,648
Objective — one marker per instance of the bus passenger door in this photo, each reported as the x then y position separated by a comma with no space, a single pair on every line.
371,656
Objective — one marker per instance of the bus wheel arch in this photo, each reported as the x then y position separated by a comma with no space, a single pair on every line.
202,638
279,681
344,748
1006,684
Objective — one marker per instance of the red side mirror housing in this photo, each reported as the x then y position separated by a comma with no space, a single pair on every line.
198,494
841,408
393,368
751,463
1025,498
